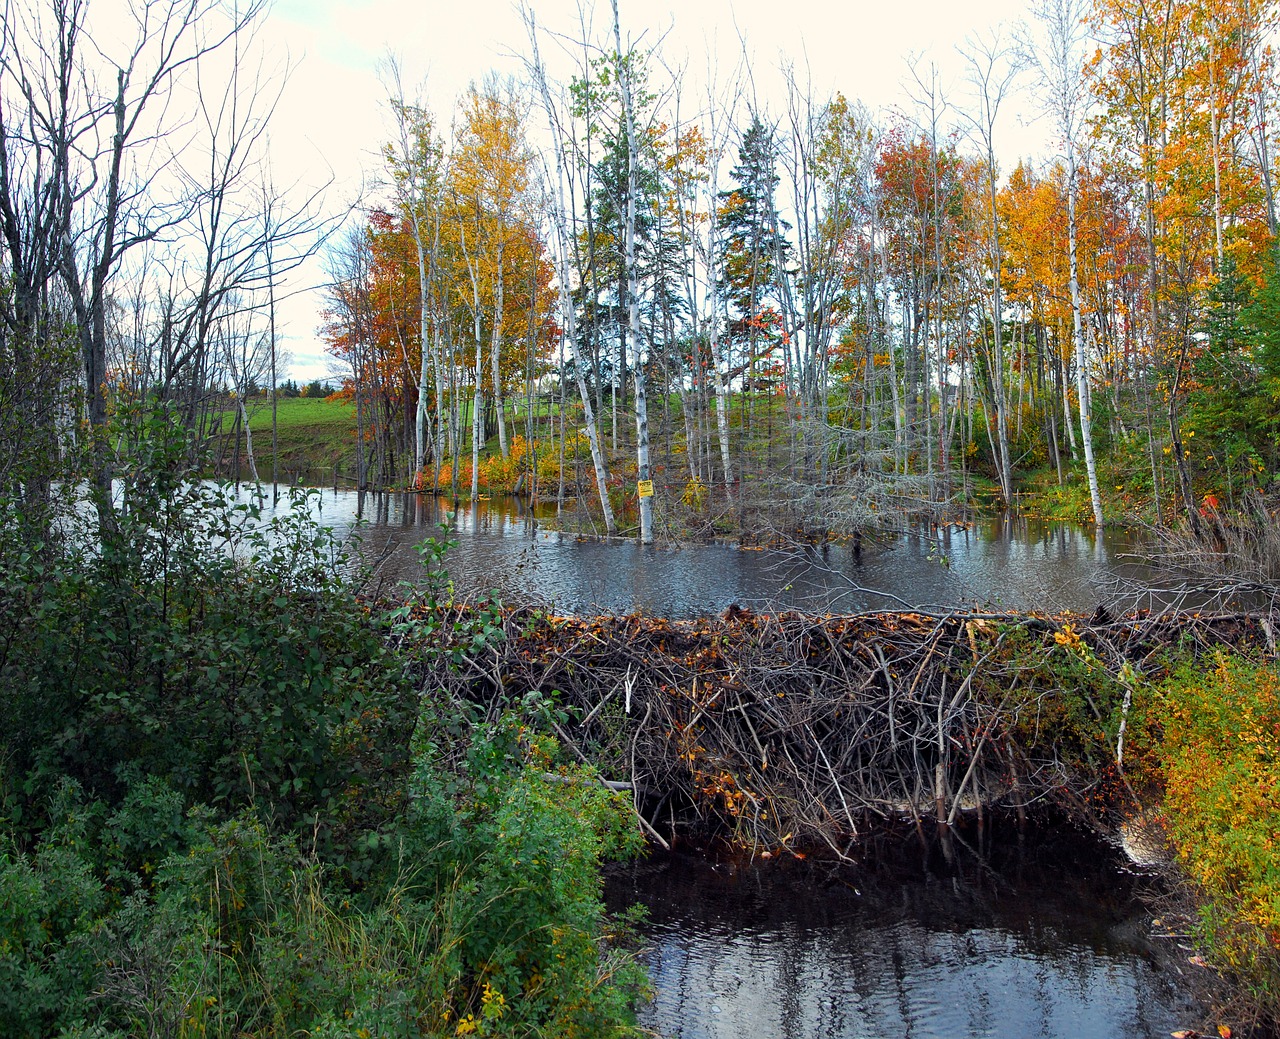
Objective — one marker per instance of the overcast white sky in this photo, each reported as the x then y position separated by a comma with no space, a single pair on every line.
333,113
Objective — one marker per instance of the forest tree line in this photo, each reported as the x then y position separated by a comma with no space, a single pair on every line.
792,305
808,303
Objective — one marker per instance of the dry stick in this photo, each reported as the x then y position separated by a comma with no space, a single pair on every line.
1124,721
940,767
635,804
868,712
973,764
597,708
939,772
853,827
888,681
644,823
859,735
742,709
955,700
612,784
934,638
835,688
1019,807
704,708
790,761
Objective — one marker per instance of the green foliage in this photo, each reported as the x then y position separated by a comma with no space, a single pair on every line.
520,853
1231,429
224,813
225,651
49,903
489,918
428,607
1261,318
1222,800
39,366
1069,705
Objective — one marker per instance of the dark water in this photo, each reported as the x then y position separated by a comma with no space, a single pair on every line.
1000,563
1046,941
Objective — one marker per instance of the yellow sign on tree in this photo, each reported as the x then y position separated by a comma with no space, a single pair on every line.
645,487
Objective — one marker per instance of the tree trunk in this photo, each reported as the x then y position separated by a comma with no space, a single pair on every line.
633,292
1082,369
495,350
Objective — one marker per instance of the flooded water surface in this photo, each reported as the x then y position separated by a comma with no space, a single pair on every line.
1001,563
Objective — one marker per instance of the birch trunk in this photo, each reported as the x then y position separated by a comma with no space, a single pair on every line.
1082,369
248,439
564,243
495,348
718,362
477,400
633,289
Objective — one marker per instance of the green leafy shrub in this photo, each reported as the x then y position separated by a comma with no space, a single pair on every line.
518,840
50,902
1069,708
225,651
224,812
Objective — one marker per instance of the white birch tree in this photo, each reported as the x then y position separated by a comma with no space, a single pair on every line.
623,70
560,207
415,161
1059,57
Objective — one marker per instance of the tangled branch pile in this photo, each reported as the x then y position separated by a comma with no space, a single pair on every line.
797,729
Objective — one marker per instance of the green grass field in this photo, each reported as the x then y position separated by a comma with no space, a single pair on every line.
314,433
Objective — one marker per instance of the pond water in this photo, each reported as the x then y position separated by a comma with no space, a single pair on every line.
1002,563
1043,941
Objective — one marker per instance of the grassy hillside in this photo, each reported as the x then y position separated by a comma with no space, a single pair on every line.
315,434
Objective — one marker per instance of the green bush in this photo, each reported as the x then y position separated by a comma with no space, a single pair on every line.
50,903
226,653
224,811
517,840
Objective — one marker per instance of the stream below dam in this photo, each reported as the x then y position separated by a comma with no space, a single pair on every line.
1043,941
1039,939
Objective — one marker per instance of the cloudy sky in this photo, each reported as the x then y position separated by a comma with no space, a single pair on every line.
332,116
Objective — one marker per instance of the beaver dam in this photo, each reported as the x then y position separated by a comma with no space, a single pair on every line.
787,730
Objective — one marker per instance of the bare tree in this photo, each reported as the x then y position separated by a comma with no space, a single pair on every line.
415,160
720,135
560,205
992,70
245,235
129,189
246,357
98,142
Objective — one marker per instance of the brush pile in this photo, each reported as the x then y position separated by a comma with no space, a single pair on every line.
796,730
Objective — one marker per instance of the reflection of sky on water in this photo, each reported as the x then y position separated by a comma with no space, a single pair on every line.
904,981
1004,563
1034,949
